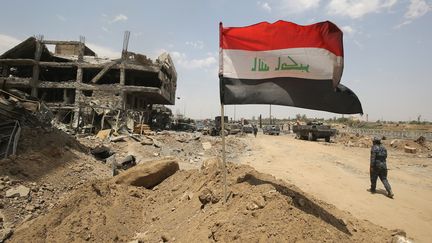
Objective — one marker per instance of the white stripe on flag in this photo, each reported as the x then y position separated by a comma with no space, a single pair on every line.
307,63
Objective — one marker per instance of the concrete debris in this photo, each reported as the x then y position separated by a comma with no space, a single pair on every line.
400,239
207,196
421,140
118,138
142,129
20,191
103,134
146,141
101,152
110,161
252,206
410,150
17,105
136,241
206,145
398,232
399,236
148,174
128,162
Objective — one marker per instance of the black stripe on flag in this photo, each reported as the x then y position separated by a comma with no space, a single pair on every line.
298,92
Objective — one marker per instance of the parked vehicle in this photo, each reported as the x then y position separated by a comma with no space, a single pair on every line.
233,128
313,131
186,127
248,128
271,130
202,128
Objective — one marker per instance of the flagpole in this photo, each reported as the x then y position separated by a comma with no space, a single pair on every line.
223,152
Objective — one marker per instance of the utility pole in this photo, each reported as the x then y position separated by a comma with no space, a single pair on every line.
270,117
260,121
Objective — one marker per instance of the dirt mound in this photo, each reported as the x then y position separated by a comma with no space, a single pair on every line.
188,207
48,166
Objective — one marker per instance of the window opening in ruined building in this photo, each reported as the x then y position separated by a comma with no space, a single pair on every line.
110,77
51,95
21,71
54,74
142,78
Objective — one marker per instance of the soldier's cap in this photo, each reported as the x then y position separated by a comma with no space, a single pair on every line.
376,140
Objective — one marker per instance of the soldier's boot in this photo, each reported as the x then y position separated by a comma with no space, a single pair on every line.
390,194
372,190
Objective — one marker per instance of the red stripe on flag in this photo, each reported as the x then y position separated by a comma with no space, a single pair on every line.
265,36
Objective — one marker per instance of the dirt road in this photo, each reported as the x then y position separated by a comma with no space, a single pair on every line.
340,175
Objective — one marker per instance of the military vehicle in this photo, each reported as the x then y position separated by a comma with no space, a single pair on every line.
313,131
272,130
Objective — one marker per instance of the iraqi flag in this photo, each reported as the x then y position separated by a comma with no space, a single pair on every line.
285,64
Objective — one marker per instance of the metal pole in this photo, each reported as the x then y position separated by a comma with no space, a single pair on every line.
270,115
223,152
125,43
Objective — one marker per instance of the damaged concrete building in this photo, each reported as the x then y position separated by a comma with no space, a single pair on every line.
87,92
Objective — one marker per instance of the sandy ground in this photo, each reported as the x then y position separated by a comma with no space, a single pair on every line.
339,175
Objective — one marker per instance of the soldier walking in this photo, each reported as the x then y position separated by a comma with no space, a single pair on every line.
378,166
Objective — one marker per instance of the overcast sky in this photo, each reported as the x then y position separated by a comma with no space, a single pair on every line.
387,44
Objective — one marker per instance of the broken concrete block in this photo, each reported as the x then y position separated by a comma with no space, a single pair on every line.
157,144
128,162
20,191
103,134
410,150
146,141
111,160
206,196
101,152
149,174
118,138
211,163
206,145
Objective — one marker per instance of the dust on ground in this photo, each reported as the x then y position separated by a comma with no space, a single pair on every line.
339,174
72,198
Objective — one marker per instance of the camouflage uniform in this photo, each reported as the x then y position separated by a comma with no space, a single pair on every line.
378,166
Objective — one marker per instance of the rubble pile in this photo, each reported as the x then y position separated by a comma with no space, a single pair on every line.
189,207
60,188
48,166
418,146
190,149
